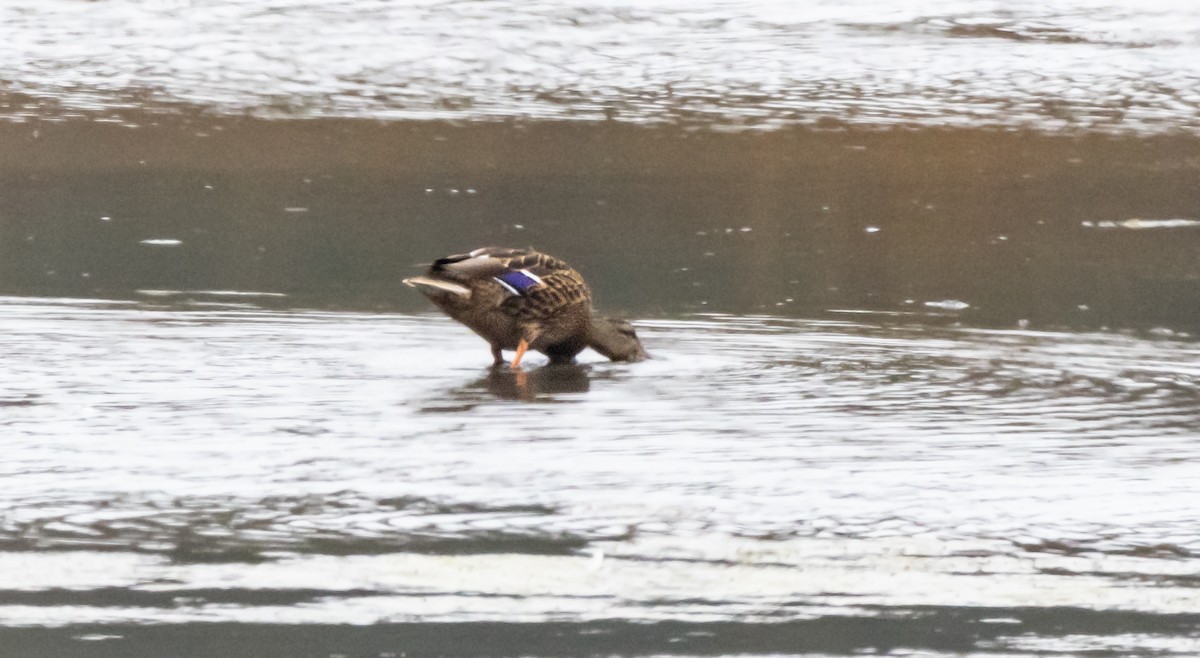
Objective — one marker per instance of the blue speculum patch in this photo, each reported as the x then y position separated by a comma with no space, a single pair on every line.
518,281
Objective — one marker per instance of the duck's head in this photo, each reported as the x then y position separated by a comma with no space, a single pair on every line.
616,339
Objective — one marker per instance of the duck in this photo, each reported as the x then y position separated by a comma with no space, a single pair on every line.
523,299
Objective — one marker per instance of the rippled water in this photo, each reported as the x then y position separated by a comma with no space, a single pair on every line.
1082,64
920,280
220,464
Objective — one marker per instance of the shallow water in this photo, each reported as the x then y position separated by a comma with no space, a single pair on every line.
1112,65
853,486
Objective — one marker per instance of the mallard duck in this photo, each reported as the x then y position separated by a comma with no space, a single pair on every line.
521,299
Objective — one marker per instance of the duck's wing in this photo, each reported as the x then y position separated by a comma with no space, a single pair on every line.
555,292
542,280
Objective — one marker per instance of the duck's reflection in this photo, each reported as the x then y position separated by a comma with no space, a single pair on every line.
529,385
545,384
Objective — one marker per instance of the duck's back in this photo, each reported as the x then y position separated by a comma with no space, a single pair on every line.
499,258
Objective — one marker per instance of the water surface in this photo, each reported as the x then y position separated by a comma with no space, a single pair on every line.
920,281
226,464
1109,65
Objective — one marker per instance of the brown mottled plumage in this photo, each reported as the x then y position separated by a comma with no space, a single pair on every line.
519,299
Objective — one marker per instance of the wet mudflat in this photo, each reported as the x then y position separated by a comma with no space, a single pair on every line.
920,283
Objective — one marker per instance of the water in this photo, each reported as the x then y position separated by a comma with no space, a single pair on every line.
920,281
213,464
992,228
1112,65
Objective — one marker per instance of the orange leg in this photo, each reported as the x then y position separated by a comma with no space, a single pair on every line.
521,347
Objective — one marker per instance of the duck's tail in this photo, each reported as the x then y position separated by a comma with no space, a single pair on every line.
431,286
